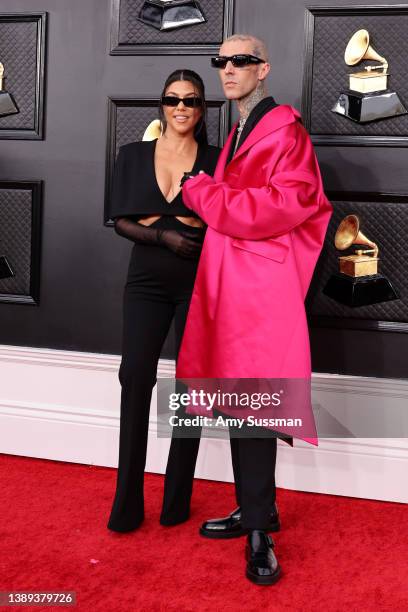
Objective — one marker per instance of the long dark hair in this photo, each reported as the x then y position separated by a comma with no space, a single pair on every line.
200,130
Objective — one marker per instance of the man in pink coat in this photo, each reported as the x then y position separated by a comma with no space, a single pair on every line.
267,217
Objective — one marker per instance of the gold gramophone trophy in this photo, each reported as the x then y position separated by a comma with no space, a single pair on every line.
7,104
6,271
165,15
368,97
358,282
153,131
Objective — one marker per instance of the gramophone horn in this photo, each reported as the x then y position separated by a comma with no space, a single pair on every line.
153,130
348,233
359,49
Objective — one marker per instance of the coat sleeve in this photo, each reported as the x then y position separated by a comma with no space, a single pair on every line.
291,193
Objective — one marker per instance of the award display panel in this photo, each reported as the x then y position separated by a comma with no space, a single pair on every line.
20,241
169,27
128,119
384,220
341,43
22,57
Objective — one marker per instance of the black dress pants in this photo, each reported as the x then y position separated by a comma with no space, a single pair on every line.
253,463
158,289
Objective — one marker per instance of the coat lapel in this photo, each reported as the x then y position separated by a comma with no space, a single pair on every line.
272,121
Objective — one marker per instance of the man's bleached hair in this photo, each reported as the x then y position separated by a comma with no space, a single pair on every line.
258,45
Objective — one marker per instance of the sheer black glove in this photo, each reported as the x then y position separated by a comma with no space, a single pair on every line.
183,243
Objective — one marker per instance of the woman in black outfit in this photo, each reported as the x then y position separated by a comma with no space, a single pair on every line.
147,208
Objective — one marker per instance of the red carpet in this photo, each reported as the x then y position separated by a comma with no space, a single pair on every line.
336,553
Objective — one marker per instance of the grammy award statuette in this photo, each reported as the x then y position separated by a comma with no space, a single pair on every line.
6,271
7,104
368,97
167,15
358,282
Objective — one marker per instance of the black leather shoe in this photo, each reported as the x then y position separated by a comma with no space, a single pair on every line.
230,526
262,565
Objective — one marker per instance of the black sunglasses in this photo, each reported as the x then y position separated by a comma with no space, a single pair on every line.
238,61
175,101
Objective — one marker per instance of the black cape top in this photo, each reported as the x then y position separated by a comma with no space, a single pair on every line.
135,189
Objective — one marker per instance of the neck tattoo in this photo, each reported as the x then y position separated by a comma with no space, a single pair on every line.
245,105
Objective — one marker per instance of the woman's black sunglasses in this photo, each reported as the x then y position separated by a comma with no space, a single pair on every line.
238,61
191,102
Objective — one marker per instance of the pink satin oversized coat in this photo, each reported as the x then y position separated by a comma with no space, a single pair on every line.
267,216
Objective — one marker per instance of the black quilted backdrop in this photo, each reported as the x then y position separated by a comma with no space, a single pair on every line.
15,239
131,122
386,224
18,53
388,36
133,32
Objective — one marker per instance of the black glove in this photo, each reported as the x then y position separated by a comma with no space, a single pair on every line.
184,243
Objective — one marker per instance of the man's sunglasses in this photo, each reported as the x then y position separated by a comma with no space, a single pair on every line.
238,61
175,101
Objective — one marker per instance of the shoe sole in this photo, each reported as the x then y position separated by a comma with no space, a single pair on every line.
219,535
264,580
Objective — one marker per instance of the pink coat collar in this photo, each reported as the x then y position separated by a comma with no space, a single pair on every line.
276,118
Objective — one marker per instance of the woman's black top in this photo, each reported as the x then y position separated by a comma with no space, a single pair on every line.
135,189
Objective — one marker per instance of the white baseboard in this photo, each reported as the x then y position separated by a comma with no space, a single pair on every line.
64,406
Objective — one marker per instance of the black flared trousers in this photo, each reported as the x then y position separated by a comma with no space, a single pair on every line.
158,289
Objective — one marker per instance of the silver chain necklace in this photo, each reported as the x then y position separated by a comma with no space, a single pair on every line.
239,130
